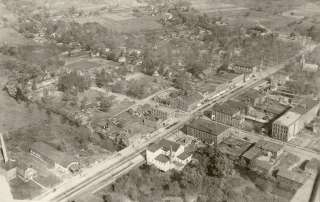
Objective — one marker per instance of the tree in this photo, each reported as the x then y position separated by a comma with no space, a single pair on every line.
136,89
105,103
106,198
73,81
102,79
181,82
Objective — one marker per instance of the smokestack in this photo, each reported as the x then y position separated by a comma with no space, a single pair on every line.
3,149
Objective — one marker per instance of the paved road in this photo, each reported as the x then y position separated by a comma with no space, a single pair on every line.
80,183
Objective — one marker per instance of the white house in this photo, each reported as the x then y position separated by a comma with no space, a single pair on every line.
166,155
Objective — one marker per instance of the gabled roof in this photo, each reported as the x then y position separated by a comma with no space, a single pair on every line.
165,145
162,158
184,155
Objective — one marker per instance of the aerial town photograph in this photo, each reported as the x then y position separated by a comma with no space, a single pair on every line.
160,101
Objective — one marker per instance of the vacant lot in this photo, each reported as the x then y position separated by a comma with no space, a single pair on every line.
24,190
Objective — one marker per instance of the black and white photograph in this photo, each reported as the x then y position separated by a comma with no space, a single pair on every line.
159,100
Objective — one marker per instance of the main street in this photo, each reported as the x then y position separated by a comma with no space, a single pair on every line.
101,171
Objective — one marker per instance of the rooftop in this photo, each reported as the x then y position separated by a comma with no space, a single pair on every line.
234,146
252,153
263,165
292,175
230,107
251,93
208,126
162,158
184,155
165,145
288,118
305,106
51,153
269,146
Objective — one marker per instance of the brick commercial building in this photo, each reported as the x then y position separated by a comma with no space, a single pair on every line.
293,121
230,113
207,131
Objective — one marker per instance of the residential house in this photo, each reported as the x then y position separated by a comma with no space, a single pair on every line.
167,155
207,131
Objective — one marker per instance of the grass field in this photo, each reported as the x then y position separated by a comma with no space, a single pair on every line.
24,190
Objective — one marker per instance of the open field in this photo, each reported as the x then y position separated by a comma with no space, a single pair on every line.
24,190
218,7
14,115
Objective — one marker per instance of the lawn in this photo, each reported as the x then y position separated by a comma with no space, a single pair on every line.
24,190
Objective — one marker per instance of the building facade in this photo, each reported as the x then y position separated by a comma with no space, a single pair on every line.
167,155
292,122
54,158
207,131
230,113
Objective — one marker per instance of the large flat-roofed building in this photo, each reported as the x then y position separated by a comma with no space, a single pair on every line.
53,158
229,113
207,131
293,121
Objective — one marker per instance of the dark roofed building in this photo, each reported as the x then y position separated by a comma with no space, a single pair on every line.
165,145
292,180
233,148
207,131
252,97
267,146
53,157
305,106
229,113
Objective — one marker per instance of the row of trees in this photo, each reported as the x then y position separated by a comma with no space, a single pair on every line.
73,82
